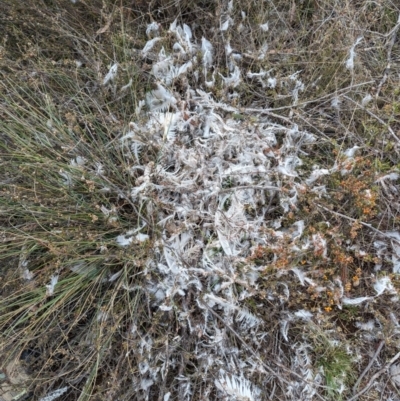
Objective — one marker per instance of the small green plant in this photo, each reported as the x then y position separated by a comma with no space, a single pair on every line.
333,361
337,368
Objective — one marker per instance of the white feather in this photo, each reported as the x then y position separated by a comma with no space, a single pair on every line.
50,287
237,387
56,393
111,75
234,80
149,45
352,54
153,27
355,301
160,99
207,50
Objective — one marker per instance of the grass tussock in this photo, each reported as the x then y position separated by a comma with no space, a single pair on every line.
199,200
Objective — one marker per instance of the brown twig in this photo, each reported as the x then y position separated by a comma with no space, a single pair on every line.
380,346
389,128
370,226
374,377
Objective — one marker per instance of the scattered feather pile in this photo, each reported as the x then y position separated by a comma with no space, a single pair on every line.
216,180
244,253
212,188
